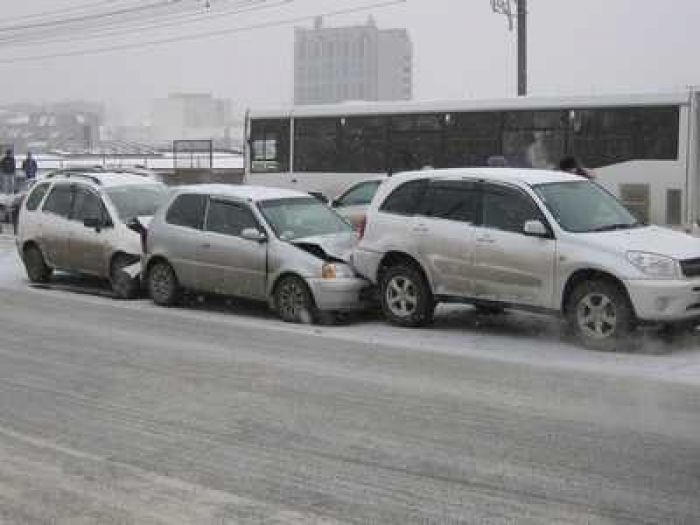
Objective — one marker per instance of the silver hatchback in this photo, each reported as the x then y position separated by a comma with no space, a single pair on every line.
268,244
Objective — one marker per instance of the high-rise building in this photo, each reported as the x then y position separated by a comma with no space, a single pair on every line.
333,64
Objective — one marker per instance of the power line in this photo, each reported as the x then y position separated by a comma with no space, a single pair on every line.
200,36
64,10
172,20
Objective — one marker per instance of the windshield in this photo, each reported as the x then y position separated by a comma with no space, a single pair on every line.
296,218
583,206
138,200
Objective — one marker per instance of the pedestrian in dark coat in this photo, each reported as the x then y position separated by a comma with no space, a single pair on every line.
29,166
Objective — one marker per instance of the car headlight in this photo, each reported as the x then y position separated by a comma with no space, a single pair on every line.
654,265
335,271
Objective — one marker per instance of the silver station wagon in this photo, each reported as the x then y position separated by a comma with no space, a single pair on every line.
280,246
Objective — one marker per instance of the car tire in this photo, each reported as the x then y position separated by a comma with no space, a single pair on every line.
35,264
405,296
162,284
294,302
600,316
123,285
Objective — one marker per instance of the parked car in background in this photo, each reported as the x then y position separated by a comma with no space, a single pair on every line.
536,240
352,203
280,246
76,221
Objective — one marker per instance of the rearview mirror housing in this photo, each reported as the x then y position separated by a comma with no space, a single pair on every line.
253,234
536,229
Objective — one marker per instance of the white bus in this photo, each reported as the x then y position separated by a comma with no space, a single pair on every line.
642,148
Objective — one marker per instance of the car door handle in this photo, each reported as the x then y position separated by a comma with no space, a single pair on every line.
420,229
206,245
486,239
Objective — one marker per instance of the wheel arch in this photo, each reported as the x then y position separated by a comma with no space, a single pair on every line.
590,274
395,258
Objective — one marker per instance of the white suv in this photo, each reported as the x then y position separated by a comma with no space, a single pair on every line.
538,240
77,221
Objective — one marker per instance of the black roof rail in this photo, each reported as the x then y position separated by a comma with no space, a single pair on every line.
74,173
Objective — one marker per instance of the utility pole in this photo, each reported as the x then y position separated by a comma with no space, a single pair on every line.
506,7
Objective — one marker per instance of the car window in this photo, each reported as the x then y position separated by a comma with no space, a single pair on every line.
298,217
59,200
87,205
137,200
508,209
455,200
36,196
359,195
187,210
229,218
405,199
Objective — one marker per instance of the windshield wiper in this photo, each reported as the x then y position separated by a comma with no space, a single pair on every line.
619,226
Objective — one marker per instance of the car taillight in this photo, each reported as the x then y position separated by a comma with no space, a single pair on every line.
362,225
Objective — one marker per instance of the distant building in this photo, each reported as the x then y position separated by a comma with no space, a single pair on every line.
192,116
352,63
65,126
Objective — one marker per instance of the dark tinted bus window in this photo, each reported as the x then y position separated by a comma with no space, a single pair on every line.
365,144
455,200
472,138
188,211
316,144
35,197
604,136
534,139
59,200
405,200
269,145
416,142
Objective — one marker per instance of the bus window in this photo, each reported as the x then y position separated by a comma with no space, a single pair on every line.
534,139
269,146
316,145
365,145
416,141
605,136
472,138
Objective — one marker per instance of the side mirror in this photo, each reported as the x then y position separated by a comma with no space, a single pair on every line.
334,203
253,234
535,228
135,225
320,196
92,223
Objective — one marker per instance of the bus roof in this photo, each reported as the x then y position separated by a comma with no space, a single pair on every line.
441,106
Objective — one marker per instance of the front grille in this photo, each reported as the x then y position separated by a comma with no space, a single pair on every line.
691,267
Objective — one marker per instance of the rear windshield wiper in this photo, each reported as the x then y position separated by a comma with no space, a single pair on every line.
619,226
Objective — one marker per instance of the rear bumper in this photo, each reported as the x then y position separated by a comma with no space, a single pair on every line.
344,294
665,301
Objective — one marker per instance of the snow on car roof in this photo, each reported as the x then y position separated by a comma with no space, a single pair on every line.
526,176
106,178
241,191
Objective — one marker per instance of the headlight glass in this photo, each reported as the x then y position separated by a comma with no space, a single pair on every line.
335,271
654,265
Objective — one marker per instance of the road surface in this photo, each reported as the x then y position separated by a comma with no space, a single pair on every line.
123,412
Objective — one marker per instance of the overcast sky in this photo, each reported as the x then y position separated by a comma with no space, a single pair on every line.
461,49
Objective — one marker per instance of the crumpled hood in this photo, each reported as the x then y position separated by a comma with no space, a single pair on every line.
338,246
654,239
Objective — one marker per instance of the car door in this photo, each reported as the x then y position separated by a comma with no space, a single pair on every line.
181,240
231,264
54,227
444,227
509,265
89,245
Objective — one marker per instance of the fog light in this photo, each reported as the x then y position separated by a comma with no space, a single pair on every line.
662,303
328,271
